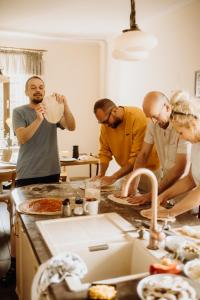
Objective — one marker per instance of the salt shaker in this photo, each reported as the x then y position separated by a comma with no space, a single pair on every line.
66,208
78,210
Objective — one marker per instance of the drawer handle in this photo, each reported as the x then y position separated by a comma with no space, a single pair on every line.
98,247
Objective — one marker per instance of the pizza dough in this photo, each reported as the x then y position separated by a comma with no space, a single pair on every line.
54,109
106,188
120,200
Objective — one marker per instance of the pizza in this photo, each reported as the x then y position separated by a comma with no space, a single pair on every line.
41,206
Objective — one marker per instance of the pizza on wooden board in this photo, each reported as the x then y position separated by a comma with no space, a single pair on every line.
41,206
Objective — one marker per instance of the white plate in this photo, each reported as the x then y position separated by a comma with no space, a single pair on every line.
190,269
171,277
54,109
67,159
180,232
25,207
173,242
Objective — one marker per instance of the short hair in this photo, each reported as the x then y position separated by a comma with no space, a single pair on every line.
104,104
32,77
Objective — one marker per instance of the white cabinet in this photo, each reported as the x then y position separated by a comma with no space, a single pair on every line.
26,263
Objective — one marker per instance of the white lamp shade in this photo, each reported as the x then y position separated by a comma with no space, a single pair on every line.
133,45
135,40
129,56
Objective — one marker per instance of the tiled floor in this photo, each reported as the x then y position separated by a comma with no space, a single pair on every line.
5,293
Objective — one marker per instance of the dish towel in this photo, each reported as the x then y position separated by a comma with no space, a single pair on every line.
56,270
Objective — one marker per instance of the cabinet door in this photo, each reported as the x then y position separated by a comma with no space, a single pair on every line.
18,258
29,267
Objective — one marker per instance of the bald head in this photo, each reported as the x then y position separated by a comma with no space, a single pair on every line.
153,100
157,107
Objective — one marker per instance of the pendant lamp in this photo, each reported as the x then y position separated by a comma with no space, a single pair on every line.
133,44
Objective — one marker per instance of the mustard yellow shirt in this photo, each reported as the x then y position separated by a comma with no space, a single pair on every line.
124,142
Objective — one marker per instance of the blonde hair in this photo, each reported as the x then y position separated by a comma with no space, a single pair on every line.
185,109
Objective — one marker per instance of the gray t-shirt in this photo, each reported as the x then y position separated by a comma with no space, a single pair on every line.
38,157
168,144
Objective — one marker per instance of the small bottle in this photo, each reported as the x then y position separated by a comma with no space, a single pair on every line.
75,152
67,212
78,210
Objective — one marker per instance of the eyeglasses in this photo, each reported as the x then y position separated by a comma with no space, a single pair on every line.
106,119
182,114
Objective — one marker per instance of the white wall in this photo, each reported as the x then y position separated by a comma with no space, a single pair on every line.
170,66
72,68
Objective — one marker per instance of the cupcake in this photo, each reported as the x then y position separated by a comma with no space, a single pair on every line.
104,292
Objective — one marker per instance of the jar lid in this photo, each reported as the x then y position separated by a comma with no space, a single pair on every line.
66,201
79,201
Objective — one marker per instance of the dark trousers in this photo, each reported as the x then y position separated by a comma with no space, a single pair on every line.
38,180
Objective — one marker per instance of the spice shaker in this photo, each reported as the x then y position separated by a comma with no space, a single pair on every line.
67,212
78,210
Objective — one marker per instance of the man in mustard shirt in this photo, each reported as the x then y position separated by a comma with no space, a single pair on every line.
122,134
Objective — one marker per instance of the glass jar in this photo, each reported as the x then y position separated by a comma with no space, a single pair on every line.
78,210
66,208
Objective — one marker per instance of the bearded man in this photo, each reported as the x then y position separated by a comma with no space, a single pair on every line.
38,160
121,137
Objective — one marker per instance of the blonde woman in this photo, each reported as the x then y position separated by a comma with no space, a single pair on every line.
185,118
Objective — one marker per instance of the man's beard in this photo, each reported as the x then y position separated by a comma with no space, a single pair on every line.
116,123
36,100
163,125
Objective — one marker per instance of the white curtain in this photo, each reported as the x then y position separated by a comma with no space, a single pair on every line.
18,65
21,62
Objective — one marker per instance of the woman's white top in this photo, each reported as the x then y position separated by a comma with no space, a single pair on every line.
195,160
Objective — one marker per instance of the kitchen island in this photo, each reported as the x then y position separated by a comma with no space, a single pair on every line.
36,251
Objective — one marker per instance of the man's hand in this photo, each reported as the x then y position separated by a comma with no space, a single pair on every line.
162,199
98,177
140,200
60,98
107,180
40,111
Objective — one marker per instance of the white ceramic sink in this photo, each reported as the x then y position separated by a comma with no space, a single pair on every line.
107,243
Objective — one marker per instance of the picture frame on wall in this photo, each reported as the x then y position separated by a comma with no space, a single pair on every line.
197,84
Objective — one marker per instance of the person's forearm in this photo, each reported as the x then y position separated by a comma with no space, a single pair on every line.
25,134
170,178
102,169
192,200
140,162
181,186
68,119
123,171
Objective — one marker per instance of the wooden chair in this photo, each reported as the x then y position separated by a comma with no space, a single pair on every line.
7,175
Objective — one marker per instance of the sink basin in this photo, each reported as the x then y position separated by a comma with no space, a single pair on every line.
107,243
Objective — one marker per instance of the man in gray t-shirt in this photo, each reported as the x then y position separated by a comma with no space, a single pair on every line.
38,160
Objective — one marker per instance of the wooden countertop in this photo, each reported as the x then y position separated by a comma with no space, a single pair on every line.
126,290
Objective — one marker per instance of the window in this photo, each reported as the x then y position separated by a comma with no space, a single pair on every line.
18,65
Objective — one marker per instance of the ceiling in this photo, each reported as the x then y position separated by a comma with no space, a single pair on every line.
72,18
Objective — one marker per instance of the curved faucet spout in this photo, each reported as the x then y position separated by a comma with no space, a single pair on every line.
154,233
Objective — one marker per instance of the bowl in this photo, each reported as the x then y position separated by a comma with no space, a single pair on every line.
173,243
192,269
161,284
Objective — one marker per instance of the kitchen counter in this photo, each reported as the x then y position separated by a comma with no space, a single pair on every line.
126,290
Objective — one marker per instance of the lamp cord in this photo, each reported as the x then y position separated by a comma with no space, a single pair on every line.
133,25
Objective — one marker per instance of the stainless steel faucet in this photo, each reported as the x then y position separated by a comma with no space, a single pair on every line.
155,234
